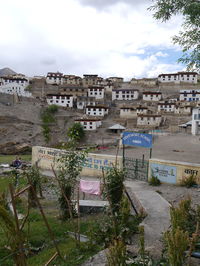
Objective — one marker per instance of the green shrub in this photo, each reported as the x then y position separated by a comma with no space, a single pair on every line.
52,109
189,181
154,181
176,242
76,132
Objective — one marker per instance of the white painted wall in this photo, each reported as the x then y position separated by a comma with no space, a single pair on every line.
155,97
149,120
189,95
125,95
96,111
98,93
60,100
178,77
166,107
90,125
195,121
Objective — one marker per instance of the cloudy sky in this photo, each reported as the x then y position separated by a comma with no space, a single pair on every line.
105,37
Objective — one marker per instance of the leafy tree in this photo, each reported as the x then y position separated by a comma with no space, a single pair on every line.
76,132
70,166
189,37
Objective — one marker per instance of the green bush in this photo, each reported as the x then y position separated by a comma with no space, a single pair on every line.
76,132
52,109
189,181
154,181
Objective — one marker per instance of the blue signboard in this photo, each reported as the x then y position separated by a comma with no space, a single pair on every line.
165,173
137,139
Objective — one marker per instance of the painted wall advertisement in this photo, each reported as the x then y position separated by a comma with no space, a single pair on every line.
164,173
94,163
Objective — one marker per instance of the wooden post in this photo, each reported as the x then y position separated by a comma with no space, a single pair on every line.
78,213
150,154
18,231
51,259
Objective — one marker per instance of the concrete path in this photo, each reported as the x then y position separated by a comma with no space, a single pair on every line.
157,209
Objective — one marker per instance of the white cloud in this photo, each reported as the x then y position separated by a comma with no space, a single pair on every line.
42,36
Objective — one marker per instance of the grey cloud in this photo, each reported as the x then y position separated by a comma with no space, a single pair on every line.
101,4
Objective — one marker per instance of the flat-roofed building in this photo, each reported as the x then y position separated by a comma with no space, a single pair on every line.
125,94
149,120
186,77
54,78
60,100
99,110
152,96
89,124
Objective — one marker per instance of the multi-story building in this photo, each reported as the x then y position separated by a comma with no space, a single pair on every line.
144,81
188,77
99,110
54,78
127,112
189,95
96,91
89,124
89,80
60,100
73,90
116,79
141,110
72,80
183,109
16,84
125,94
149,120
83,101
152,96
166,107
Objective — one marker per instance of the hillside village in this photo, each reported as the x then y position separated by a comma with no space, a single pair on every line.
104,107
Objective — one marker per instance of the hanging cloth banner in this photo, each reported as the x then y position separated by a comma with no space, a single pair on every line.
90,187
137,139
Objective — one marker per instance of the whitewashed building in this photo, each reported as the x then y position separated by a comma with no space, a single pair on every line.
116,79
15,84
196,121
152,96
89,124
83,101
127,112
54,78
189,95
144,81
166,107
183,109
125,94
188,77
72,80
141,110
149,120
60,100
96,91
96,110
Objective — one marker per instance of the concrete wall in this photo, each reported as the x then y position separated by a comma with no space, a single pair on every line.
92,166
173,172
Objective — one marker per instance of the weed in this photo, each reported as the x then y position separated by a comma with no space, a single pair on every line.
189,181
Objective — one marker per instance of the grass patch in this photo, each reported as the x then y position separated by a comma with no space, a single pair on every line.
9,158
39,239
